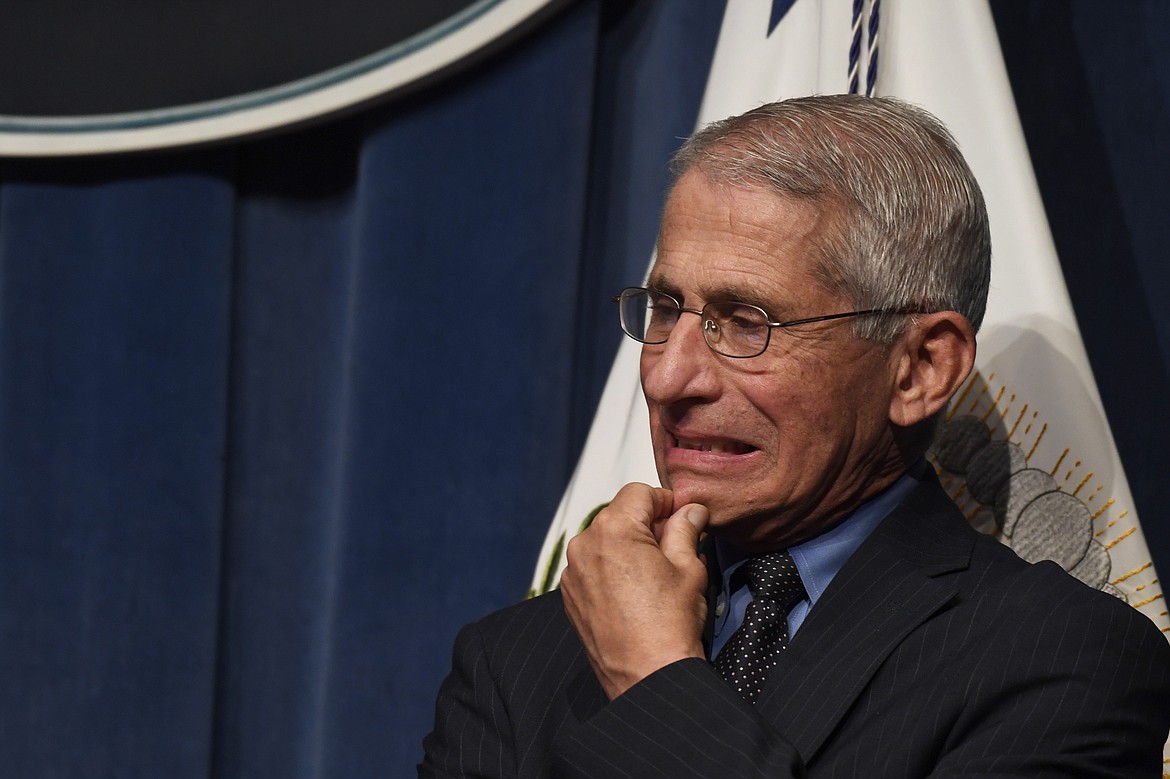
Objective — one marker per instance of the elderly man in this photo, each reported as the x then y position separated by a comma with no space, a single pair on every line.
801,597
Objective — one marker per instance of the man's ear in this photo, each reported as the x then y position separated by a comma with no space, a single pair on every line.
934,357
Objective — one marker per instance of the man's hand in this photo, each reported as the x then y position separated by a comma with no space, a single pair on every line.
634,586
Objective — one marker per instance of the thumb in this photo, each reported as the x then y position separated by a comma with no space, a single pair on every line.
680,533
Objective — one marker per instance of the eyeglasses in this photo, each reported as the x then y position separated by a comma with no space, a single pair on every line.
732,329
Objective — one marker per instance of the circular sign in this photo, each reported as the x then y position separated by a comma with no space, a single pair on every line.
126,75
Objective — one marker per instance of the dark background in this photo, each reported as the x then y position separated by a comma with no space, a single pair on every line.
113,56
277,417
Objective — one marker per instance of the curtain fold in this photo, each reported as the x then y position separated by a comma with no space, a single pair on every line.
278,417
113,336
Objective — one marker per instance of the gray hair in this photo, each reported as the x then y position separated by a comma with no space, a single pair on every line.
910,230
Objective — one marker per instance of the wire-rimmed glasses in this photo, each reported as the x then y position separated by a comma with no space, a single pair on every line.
732,329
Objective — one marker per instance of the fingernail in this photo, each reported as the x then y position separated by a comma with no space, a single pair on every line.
698,516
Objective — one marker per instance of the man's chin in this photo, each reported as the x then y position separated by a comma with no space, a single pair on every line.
685,491
712,493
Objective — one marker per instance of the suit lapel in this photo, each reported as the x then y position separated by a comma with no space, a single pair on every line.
895,581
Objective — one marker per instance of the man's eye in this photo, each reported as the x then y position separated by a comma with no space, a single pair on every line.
661,310
743,323
739,317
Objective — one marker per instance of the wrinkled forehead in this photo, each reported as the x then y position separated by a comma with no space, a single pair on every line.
730,242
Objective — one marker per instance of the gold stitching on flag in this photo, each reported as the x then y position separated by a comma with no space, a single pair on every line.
1148,601
1103,509
1132,573
954,409
982,391
994,405
1056,467
1019,419
1039,438
1120,538
1102,531
1028,429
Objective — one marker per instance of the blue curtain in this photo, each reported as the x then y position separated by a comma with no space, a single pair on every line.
277,417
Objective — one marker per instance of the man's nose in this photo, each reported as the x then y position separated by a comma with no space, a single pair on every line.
681,368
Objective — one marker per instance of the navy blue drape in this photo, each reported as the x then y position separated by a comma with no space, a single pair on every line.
277,417
114,300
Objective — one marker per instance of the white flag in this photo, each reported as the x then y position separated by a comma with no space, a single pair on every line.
1030,414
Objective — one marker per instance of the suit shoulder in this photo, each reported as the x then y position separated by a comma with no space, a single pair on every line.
534,614
1043,597
511,637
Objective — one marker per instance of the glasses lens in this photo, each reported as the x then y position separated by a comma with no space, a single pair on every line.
646,316
736,329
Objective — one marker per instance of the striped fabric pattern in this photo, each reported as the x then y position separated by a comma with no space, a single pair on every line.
935,651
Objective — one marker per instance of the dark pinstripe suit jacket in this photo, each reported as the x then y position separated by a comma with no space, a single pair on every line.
935,651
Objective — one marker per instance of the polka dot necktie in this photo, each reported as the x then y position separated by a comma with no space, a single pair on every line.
753,650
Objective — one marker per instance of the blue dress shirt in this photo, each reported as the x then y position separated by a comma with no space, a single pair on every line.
817,561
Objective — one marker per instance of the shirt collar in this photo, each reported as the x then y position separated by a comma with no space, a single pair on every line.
820,558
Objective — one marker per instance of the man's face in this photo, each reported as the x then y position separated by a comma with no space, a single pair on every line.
781,446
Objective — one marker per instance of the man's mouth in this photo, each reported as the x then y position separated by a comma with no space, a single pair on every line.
716,446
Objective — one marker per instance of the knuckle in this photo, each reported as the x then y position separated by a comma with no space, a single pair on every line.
573,549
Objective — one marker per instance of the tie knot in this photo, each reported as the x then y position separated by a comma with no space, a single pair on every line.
774,576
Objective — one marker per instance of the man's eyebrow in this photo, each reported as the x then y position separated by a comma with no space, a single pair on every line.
749,297
659,284
722,294
739,295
